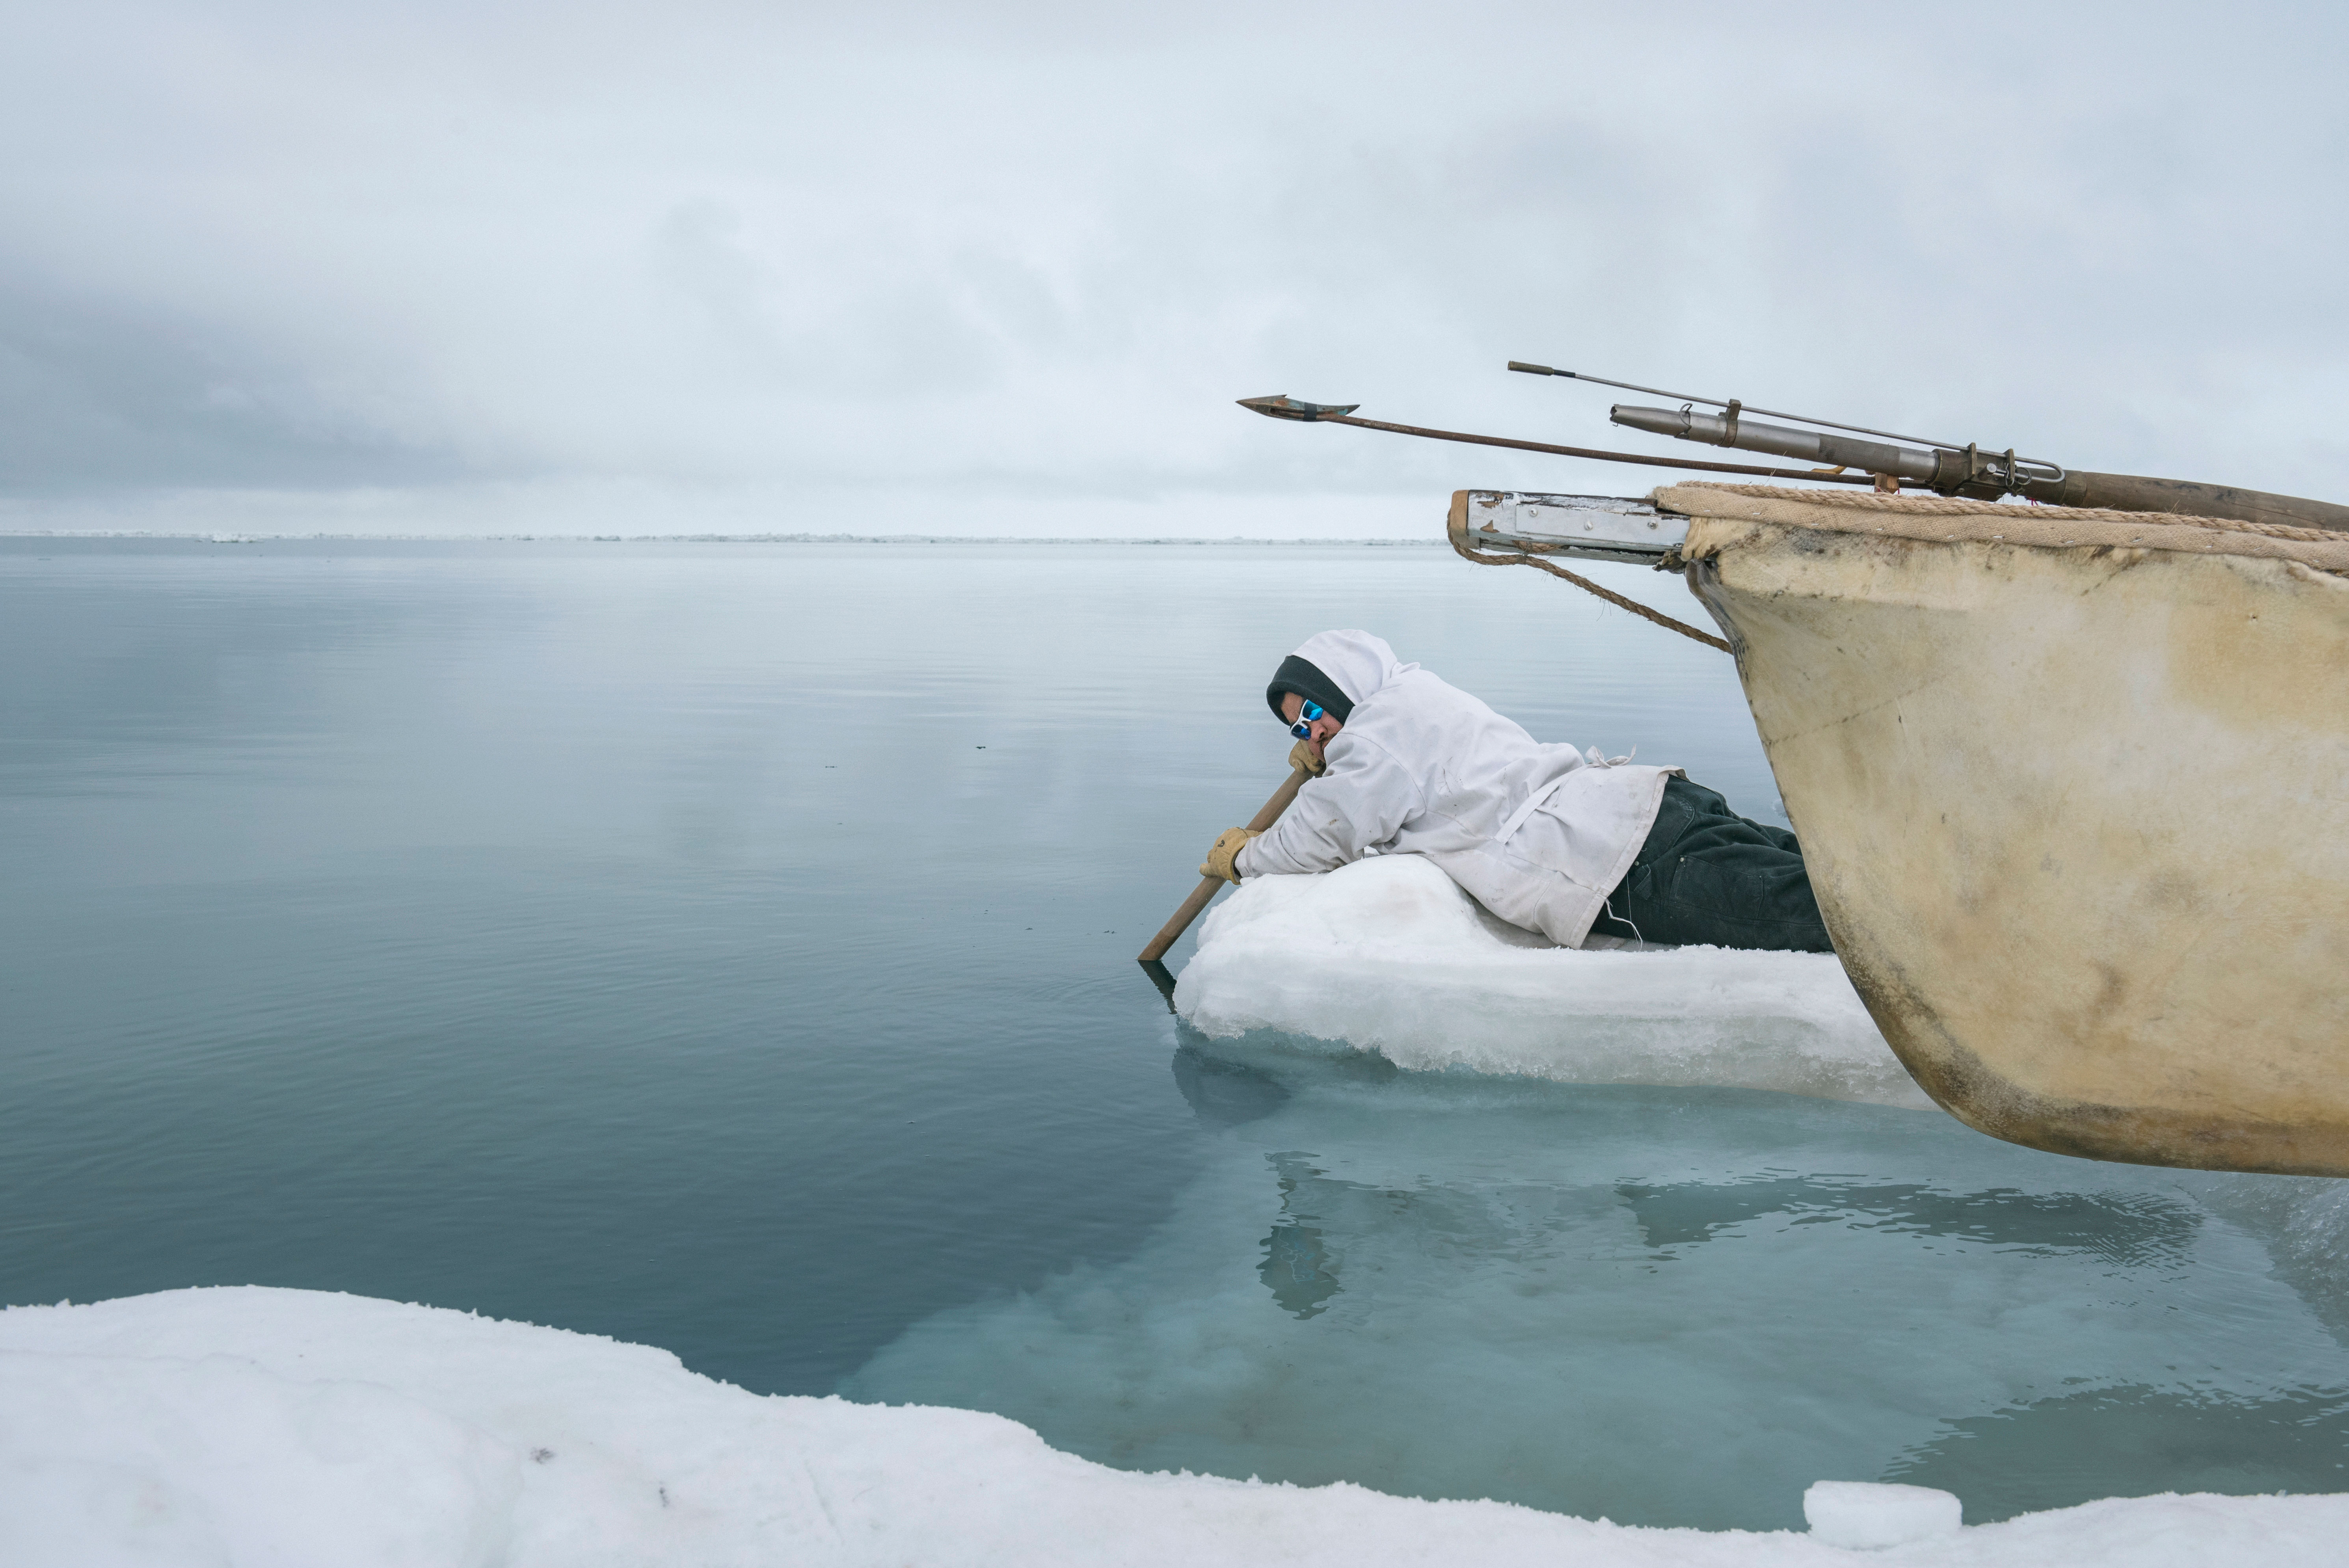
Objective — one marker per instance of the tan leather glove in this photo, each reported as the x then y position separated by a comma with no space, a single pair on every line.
1301,755
1228,848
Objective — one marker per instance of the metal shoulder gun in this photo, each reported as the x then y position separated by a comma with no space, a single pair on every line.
1947,468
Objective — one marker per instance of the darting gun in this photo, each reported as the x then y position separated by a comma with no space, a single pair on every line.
1854,454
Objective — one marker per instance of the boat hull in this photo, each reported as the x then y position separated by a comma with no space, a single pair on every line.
2076,810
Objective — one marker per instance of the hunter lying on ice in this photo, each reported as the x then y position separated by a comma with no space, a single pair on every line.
1545,837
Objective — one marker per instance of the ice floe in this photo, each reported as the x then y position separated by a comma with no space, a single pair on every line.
1388,956
273,1427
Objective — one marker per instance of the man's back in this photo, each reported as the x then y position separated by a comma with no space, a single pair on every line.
1420,767
1543,837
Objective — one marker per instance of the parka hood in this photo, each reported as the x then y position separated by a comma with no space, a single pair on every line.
1359,664
1337,670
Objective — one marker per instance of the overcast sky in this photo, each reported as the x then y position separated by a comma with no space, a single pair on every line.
636,267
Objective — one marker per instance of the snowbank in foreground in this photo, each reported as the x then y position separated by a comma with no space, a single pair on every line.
265,1427
1388,955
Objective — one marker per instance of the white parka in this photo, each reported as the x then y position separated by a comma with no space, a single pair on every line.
1537,834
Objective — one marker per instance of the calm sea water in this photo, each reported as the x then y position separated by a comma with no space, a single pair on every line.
728,947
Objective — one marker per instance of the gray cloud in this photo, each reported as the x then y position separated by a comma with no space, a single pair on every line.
106,394
706,265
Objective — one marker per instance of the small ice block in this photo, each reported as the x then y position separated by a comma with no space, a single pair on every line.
1864,1513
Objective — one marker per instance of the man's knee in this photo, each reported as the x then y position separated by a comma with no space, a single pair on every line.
1695,799
1757,898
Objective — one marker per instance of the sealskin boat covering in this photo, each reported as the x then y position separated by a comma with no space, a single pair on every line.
2074,789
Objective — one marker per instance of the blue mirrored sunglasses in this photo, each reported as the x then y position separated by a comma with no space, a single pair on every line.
1303,727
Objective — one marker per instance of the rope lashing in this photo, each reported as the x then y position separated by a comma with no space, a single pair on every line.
1867,501
1525,558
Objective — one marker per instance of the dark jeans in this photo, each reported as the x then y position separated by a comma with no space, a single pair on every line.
1706,875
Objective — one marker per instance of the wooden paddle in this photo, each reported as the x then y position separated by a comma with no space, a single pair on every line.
1170,932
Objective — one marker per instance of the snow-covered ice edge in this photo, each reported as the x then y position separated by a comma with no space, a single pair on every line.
261,1426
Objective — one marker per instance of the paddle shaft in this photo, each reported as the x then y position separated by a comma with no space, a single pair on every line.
1171,932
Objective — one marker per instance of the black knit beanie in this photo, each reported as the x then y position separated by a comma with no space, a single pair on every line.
1304,677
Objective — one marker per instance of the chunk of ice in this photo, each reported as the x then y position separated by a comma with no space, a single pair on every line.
1388,955
1867,1515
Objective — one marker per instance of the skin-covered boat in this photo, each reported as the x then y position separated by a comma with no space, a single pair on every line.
2072,786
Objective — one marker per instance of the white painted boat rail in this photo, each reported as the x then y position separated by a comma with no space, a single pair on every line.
1590,527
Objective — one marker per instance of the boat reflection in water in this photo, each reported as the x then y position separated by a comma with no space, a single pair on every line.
1664,1305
